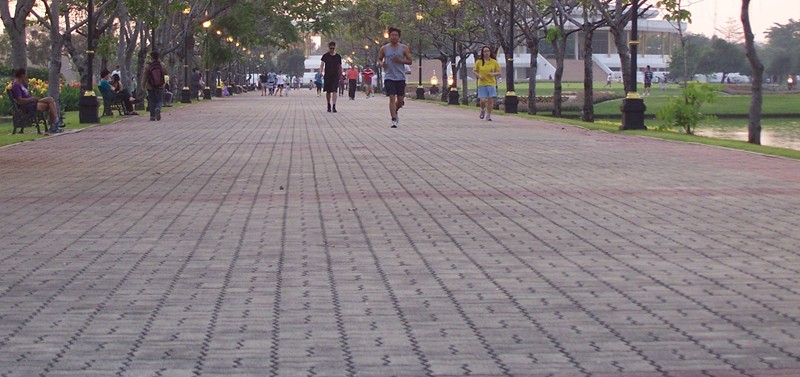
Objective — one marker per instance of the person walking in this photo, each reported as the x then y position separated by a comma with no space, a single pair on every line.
318,83
271,78
366,79
331,66
154,83
608,80
648,80
393,57
262,80
486,70
352,82
281,80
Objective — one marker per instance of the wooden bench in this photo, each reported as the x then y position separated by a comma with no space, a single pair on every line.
110,106
23,119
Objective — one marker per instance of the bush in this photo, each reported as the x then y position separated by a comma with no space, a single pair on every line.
683,111
70,95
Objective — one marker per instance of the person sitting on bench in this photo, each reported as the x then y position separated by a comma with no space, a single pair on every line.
29,103
117,92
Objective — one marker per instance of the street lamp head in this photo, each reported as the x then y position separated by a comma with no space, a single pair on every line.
386,34
219,32
434,80
229,39
237,44
206,24
187,10
420,16
261,55
454,2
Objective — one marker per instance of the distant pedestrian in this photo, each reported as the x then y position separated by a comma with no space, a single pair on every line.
486,70
608,80
154,83
271,78
648,80
352,81
318,83
281,81
331,66
262,80
392,57
366,79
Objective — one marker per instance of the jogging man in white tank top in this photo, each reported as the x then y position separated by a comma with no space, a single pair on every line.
392,58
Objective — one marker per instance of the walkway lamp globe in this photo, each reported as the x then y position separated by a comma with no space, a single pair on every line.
434,80
386,34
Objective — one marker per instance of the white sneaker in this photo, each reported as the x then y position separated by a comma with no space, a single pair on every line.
394,123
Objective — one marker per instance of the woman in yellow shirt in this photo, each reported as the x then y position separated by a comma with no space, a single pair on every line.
486,70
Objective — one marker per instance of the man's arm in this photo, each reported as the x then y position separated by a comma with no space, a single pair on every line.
322,65
407,55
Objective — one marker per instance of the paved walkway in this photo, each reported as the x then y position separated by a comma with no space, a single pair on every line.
255,236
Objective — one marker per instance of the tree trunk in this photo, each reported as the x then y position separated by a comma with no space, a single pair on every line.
754,124
54,67
588,77
16,29
533,46
624,60
559,47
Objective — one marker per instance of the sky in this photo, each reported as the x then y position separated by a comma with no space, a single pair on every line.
763,14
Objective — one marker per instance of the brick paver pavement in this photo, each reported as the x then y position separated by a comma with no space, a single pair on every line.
255,236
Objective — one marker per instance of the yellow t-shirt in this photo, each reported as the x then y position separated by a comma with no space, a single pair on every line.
484,69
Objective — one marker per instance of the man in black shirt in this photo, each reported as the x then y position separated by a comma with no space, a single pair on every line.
331,68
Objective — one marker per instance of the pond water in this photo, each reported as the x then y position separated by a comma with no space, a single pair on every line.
783,133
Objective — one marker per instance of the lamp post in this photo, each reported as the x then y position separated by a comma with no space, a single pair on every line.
633,107
185,93
511,100
88,105
452,98
420,89
207,90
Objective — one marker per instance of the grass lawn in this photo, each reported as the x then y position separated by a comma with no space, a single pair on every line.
613,127
724,105
70,118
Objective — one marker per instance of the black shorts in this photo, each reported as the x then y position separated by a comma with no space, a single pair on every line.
395,87
648,84
331,84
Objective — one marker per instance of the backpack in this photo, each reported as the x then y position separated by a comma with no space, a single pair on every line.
155,77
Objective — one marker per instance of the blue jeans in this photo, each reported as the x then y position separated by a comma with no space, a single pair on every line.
155,99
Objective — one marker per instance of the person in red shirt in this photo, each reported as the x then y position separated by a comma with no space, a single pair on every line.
366,79
352,82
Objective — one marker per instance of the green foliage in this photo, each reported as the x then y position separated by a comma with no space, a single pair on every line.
674,11
721,56
684,111
553,33
33,73
106,46
69,97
